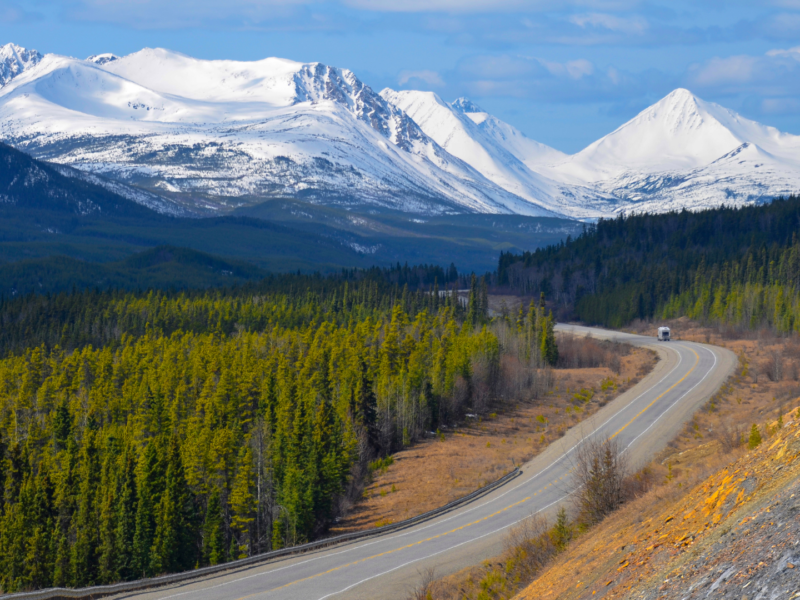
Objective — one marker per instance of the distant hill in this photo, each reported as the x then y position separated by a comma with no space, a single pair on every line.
26,183
50,211
164,267
735,267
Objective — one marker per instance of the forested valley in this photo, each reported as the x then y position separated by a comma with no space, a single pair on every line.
144,433
734,268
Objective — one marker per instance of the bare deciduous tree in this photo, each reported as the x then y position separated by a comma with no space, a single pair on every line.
425,588
728,434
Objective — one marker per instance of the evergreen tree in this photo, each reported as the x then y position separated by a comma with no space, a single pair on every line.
85,548
173,543
148,487
213,533
561,534
755,437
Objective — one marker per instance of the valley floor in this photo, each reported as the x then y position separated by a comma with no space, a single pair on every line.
436,471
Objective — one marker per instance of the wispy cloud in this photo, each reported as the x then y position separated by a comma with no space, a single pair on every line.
635,25
431,78
12,12
774,74
575,81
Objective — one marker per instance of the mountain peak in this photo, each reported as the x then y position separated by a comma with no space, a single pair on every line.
680,106
465,105
14,60
102,59
680,131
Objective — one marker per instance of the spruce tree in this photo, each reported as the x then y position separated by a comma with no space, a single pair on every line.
148,487
214,551
173,545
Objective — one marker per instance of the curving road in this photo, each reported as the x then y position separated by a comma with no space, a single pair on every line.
643,420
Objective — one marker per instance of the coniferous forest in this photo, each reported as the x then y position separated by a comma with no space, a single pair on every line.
148,432
737,268
144,433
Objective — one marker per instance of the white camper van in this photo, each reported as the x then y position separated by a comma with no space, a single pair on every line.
663,334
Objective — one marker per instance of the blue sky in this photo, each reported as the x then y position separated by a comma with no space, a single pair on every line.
564,72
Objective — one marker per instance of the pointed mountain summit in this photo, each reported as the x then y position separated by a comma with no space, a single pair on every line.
102,59
678,132
465,105
14,60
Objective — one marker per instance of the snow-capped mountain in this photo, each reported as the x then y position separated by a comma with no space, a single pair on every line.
677,133
226,132
211,135
499,151
14,60
683,152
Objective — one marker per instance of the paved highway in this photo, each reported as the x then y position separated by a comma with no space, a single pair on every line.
642,420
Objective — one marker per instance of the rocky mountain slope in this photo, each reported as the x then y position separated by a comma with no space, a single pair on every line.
14,60
500,152
28,184
735,535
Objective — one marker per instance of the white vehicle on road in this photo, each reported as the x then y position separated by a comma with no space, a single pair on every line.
663,334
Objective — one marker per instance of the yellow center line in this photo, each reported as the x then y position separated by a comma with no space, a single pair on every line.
361,560
676,384
494,514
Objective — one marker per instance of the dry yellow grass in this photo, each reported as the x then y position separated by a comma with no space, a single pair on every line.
705,481
433,472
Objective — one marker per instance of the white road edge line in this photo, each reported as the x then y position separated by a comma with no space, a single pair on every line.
475,539
349,587
459,514
714,354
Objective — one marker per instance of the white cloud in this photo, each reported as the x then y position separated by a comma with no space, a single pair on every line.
573,68
774,74
790,53
429,77
717,71
453,6
630,25
535,78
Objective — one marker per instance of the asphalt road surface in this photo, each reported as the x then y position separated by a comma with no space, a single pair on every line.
642,420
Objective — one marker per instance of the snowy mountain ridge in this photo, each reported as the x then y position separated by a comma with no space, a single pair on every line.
207,136
14,60
681,152
218,134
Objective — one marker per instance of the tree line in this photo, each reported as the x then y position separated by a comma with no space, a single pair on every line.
736,267
148,433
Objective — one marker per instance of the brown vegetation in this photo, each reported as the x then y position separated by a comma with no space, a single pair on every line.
455,461
720,518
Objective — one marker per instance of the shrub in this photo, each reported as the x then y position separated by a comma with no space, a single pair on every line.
755,437
600,472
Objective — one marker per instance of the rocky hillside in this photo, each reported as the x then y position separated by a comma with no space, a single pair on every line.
734,535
